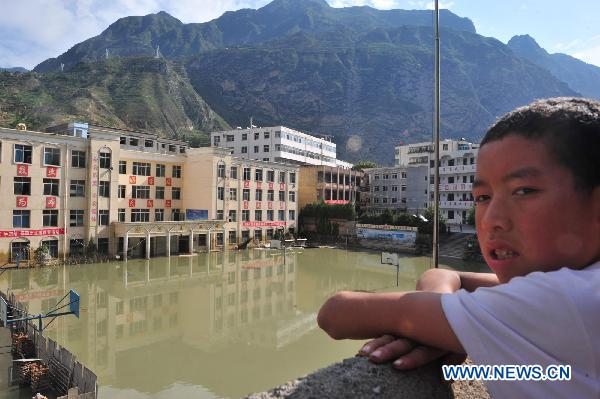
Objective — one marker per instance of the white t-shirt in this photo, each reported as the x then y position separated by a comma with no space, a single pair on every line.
541,319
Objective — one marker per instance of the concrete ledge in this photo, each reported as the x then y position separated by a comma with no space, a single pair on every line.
358,378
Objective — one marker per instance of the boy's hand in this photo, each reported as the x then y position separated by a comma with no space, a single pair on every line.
407,353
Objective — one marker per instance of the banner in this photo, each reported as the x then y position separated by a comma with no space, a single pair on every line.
31,233
263,224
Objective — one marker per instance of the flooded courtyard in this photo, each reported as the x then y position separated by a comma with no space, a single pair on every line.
205,326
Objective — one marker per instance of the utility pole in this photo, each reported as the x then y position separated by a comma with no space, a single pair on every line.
436,180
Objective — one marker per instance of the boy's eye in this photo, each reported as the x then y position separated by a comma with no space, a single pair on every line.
525,191
481,198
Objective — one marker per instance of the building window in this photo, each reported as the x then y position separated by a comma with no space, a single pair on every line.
76,218
292,215
256,136
78,159
216,141
159,215
23,153
122,191
229,138
50,218
258,215
232,216
122,167
105,158
22,185
256,149
384,188
176,193
160,170
148,143
281,214
133,141
121,215
51,187
384,200
394,188
292,178
376,177
177,216
281,195
403,175
394,200
141,169
233,172
445,147
221,170
104,189
270,176
394,175
244,150
244,136
21,219
270,195
258,175
245,215
176,172
220,193
142,192
123,140
20,249
160,193
292,196
77,188
103,217
246,194
281,177
140,215
266,148
220,214
172,148
403,187
266,135
232,237
247,173
52,246
233,194
51,156
75,246
376,188
258,195
270,215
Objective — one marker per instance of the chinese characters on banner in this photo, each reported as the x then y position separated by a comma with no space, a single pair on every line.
167,203
246,184
51,171
94,190
132,179
258,205
149,203
270,185
336,202
151,181
30,233
21,202
168,181
245,204
22,170
281,205
258,184
270,205
263,224
282,186
132,203
50,202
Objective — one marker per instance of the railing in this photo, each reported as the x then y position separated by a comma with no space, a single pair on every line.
456,186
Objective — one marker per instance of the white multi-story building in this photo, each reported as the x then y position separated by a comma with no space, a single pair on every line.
458,159
398,188
278,144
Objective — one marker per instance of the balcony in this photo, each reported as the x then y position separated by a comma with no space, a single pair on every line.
456,187
457,169
456,204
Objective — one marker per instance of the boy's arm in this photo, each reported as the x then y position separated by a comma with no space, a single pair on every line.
416,315
443,280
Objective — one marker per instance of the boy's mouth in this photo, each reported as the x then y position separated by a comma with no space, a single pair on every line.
501,254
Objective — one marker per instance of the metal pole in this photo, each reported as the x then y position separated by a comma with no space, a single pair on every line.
436,180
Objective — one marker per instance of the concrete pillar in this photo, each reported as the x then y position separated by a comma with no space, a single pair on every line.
168,244
208,241
191,242
125,245
147,245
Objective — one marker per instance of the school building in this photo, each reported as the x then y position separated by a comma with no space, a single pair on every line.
133,194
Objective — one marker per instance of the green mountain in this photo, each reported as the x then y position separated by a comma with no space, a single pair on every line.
136,93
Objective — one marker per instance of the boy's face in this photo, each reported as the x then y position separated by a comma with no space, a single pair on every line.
528,215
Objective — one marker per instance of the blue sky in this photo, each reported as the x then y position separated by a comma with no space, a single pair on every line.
34,30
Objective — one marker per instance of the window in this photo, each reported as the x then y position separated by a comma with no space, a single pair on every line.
394,200
122,191
105,158
220,214
258,215
232,236
121,215
50,218
232,216
281,195
216,140
221,170
51,156
256,149
394,188
122,167
292,215
445,147
376,177
176,172
258,175
172,148
160,170
450,214
22,185
403,187
104,189
394,175
159,215
292,196
21,218
384,188
77,188
233,172
160,193
258,195
177,216
247,173
281,177
450,163
52,246
103,217
270,176
233,194
245,215
292,178
75,246
386,177
244,150
78,159
266,135
403,175
51,187
270,215
76,218
450,179
266,148
122,140
246,194
176,193
140,215
256,136
142,192
229,137
148,143
20,249
244,136
281,214
141,169
23,153
270,195
384,200
220,193
376,188
133,141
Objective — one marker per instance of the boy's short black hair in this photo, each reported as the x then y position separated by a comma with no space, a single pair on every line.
570,126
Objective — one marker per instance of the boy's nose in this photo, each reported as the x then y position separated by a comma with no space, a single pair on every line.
496,216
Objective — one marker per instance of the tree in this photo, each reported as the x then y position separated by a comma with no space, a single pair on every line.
471,216
364,164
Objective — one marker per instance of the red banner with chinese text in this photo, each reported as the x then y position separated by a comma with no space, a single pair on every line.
31,233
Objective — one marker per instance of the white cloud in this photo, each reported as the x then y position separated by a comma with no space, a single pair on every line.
590,55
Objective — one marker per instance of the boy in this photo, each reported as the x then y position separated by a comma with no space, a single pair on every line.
537,196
